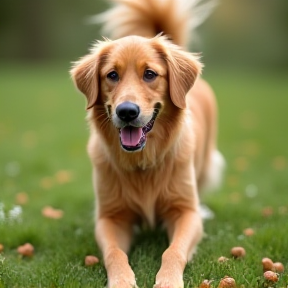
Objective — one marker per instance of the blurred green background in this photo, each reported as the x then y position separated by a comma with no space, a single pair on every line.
43,135
42,128
246,32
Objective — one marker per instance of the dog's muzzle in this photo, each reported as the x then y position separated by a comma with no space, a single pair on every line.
132,137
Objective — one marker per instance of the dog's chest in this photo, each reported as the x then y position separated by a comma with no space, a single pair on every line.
144,195
147,211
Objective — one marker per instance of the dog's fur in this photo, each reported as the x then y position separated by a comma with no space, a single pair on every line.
158,183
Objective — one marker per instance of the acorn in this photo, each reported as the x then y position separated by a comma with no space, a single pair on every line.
278,267
271,276
26,250
248,232
227,282
267,264
267,211
91,260
50,212
238,252
1,247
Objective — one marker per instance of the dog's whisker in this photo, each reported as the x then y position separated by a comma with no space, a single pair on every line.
104,122
102,118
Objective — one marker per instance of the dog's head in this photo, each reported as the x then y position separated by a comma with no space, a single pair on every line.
136,79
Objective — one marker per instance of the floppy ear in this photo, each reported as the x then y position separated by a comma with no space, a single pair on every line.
183,70
85,76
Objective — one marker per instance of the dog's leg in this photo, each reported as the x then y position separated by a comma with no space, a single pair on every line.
114,238
185,231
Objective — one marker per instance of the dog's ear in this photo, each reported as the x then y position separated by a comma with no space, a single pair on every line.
183,70
85,72
85,76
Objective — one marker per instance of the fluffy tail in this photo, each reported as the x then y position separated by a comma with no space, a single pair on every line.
175,18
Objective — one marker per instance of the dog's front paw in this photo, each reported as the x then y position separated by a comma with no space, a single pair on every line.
122,283
167,284
119,272
168,280
124,278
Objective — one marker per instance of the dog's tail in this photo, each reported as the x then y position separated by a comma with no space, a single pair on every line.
175,18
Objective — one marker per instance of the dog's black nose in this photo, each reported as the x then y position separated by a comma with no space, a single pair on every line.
127,111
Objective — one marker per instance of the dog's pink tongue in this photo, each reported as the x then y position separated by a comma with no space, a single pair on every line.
130,136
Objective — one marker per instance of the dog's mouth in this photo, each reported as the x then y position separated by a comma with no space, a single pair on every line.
134,138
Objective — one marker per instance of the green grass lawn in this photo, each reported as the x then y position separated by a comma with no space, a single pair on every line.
43,138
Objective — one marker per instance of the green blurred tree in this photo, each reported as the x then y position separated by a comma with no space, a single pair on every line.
246,31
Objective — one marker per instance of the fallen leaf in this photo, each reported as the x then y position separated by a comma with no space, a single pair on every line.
22,198
50,212
64,176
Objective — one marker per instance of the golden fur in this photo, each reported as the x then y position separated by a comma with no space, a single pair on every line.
160,182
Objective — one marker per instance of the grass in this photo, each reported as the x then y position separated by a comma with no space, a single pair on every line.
42,153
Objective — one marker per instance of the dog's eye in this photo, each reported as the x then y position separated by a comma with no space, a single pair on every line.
113,75
149,75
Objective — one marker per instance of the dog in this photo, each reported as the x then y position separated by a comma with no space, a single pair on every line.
152,145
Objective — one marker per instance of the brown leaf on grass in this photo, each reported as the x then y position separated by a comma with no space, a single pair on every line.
1,247
63,176
46,183
21,198
241,164
232,180
267,211
222,259
279,163
250,148
50,212
235,197
248,232
206,284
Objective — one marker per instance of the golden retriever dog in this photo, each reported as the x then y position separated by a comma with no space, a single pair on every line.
153,134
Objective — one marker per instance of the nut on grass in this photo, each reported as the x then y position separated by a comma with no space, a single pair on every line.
26,250
248,232
278,267
271,276
267,212
50,212
91,260
267,264
227,282
1,247
222,259
206,284
238,252
22,198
